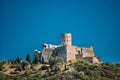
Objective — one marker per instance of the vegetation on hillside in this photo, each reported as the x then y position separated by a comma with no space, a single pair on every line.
57,69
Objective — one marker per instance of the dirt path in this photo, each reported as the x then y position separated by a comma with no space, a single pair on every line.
9,70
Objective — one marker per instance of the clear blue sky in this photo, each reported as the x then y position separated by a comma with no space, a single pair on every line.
25,25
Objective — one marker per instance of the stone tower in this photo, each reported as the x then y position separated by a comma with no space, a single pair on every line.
67,39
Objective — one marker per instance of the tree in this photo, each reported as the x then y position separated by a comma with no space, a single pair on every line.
36,59
42,61
2,63
25,65
51,61
56,68
28,58
55,60
19,60
58,60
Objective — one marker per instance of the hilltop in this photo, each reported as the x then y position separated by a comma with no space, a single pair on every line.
57,69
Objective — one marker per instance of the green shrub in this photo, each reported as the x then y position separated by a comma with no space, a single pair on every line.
44,67
55,68
55,60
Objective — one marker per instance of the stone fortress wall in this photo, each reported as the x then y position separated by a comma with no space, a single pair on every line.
68,52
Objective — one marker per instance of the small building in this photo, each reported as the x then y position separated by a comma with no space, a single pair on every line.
12,61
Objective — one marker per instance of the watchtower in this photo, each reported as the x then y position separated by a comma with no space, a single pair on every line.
67,39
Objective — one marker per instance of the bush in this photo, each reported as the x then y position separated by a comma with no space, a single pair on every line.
55,60
2,63
44,67
56,68
25,65
66,67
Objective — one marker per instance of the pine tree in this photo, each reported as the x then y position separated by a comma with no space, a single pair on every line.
36,59
28,58
19,60
42,61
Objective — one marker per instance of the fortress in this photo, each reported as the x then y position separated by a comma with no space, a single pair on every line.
67,51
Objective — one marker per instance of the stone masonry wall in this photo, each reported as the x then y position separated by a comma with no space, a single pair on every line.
71,51
95,60
60,52
88,52
46,54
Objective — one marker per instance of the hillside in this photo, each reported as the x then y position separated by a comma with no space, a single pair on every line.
59,70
